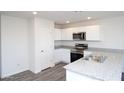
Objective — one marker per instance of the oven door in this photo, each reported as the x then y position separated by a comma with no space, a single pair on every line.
75,56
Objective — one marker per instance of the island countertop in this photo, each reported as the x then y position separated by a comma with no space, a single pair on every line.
109,70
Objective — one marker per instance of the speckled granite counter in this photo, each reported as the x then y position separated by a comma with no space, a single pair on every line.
91,49
109,70
105,50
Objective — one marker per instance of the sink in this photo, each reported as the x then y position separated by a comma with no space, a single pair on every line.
95,58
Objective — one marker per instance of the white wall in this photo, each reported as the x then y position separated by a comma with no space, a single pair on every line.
41,44
22,41
31,43
14,52
44,44
111,33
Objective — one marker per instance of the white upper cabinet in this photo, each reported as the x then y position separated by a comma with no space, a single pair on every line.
80,29
93,33
67,34
57,34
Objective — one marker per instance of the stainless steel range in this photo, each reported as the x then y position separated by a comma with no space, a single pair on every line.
77,52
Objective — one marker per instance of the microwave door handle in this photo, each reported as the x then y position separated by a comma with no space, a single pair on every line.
83,36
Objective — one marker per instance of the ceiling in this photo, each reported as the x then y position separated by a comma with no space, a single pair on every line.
60,17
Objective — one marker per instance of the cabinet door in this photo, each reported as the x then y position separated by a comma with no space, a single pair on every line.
67,34
65,55
57,56
57,34
92,33
80,29
62,55
72,76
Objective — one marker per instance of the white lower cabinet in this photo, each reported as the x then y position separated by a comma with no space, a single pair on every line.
57,55
62,55
72,76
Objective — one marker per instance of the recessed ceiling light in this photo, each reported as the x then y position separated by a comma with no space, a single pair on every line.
67,21
34,13
88,18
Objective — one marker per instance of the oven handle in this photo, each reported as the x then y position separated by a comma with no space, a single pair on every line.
76,53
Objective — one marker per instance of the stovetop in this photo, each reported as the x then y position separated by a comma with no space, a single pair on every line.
79,48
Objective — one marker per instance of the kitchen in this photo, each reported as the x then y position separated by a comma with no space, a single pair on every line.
90,44
102,56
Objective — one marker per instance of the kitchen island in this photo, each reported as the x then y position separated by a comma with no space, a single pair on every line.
109,70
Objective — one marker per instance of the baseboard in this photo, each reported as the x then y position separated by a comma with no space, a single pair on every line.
10,74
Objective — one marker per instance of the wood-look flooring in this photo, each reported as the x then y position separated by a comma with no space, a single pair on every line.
57,73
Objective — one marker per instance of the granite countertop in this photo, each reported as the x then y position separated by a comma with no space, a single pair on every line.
91,49
109,70
105,50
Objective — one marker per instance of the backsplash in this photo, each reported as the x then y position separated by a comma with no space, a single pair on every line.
68,42
93,44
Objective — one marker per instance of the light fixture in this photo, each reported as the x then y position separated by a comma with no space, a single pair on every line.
67,21
88,18
34,13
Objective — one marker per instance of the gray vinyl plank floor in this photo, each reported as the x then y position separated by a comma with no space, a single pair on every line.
57,73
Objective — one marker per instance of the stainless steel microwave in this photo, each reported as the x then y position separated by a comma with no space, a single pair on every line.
79,36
